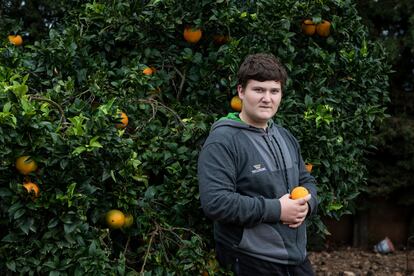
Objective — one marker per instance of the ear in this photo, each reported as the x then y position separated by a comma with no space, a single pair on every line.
240,91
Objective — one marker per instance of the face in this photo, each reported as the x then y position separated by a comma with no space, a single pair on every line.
261,99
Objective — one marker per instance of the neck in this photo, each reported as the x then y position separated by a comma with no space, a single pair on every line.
252,123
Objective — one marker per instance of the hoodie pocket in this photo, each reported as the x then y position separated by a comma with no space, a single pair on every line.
264,240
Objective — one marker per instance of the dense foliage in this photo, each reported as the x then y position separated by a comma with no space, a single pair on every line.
392,167
61,91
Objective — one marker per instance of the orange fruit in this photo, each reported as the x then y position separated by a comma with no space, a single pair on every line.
299,192
32,188
220,39
324,28
123,122
308,27
148,71
25,164
236,103
192,35
129,220
115,219
308,167
16,40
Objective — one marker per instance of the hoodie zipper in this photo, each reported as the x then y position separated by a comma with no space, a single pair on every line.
284,164
274,154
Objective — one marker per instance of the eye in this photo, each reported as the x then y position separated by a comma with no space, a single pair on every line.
275,91
258,90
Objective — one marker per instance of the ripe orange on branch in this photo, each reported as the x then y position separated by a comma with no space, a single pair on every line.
122,120
115,219
129,220
236,103
220,39
148,71
309,167
16,40
192,35
32,188
299,192
308,27
25,164
324,28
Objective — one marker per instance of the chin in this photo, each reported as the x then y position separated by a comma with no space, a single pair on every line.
266,116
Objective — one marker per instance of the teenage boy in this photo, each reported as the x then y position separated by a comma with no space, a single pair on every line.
246,170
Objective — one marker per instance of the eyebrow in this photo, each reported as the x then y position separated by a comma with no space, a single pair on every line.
264,88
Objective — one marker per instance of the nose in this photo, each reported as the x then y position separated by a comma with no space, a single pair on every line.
266,97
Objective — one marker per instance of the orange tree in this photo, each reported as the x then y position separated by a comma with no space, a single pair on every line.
62,91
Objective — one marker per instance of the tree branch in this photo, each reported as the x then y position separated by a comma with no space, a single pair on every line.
41,99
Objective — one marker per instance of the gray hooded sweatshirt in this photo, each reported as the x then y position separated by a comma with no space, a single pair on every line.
242,173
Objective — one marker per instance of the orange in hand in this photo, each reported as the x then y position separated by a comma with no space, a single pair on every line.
299,192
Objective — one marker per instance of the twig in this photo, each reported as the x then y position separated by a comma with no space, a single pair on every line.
153,102
149,247
127,244
41,99
183,76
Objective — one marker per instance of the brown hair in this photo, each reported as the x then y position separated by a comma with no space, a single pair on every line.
261,67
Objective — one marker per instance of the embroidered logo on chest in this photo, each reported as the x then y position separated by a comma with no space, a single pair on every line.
258,168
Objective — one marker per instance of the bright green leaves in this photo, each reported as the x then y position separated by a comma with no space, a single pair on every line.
88,66
323,114
78,126
7,117
92,145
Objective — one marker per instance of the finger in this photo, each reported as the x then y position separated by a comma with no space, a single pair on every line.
296,225
307,198
303,200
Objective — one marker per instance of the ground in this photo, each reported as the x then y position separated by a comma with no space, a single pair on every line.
352,261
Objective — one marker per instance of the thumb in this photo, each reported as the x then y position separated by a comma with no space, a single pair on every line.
305,199
285,195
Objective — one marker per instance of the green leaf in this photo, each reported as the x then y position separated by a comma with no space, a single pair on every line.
334,206
14,208
27,225
53,223
92,249
19,213
94,142
11,237
11,265
5,192
78,150
69,228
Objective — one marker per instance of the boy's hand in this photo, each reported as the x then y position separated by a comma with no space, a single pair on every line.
293,212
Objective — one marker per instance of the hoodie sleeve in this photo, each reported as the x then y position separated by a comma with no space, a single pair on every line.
305,178
219,198
308,181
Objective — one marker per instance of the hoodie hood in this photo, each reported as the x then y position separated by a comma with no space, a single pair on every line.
233,120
